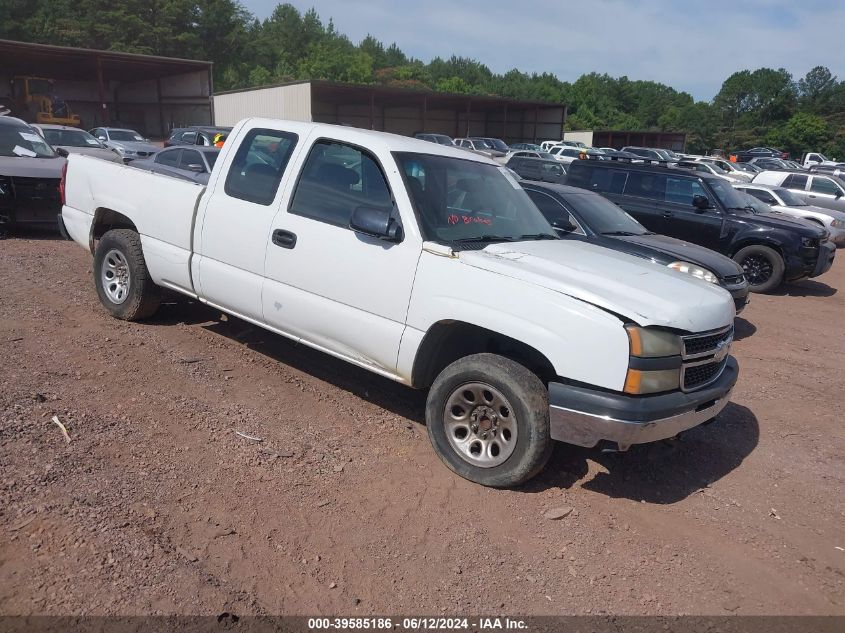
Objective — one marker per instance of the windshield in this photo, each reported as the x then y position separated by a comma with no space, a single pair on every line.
480,143
728,196
747,167
790,199
718,168
604,217
70,138
498,144
465,201
125,135
443,140
23,141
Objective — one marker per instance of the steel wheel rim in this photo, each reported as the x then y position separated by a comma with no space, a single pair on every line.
480,424
115,277
758,269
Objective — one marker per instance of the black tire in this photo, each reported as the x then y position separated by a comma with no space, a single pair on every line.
763,267
526,395
141,297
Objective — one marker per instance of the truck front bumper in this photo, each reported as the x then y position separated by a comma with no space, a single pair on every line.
585,416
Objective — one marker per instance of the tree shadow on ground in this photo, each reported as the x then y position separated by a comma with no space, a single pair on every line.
662,472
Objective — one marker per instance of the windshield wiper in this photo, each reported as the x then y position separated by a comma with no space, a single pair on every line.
538,236
484,238
623,233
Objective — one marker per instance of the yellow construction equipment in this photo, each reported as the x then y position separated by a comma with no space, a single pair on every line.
34,100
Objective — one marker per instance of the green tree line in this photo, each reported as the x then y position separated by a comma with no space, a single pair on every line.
753,107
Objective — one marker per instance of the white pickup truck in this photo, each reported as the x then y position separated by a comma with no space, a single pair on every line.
425,264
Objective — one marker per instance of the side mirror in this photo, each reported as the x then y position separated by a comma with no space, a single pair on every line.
838,195
376,222
198,169
701,203
102,138
564,225
61,151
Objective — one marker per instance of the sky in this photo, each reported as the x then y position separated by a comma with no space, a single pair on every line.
691,45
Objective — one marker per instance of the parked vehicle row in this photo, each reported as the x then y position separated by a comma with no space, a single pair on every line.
703,209
320,232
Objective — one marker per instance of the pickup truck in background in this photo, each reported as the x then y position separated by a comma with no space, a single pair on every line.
428,265
816,159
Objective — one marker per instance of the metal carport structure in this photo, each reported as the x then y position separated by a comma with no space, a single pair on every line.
147,92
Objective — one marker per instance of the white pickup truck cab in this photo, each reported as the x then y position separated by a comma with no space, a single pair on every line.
425,264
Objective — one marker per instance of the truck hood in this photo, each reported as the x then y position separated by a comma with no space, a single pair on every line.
646,293
684,251
24,167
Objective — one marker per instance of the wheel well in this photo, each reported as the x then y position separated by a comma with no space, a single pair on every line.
816,220
447,341
106,220
742,245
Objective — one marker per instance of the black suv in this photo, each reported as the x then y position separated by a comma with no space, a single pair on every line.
706,210
583,215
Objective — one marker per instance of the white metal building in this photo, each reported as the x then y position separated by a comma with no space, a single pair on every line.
398,110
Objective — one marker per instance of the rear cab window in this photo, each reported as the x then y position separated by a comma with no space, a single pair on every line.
259,164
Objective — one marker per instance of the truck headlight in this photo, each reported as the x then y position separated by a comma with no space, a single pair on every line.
651,343
695,271
120,150
809,242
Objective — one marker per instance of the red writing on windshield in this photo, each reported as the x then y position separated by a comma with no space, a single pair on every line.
468,219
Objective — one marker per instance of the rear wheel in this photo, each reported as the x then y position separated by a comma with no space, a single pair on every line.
488,420
123,282
763,267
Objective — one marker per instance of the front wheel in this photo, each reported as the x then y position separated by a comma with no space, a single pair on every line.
488,420
121,277
763,267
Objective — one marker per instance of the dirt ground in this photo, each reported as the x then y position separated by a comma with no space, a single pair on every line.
158,506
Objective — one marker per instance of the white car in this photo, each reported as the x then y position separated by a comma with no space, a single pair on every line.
725,167
785,201
817,188
712,169
72,140
568,153
425,264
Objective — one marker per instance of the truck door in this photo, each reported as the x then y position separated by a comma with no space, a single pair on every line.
341,291
231,240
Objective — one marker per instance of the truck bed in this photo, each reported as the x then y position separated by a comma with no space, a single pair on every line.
162,209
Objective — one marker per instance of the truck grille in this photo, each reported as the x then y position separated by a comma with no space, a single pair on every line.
698,345
695,376
704,357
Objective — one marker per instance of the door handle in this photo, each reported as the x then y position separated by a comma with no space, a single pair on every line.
285,239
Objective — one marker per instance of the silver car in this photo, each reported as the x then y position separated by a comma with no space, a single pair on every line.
128,143
785,201
71,140
185,162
